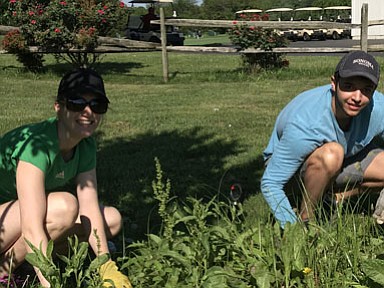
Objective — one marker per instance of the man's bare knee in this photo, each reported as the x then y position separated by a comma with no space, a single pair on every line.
328,158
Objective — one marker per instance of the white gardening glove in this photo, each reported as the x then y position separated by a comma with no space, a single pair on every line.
378,214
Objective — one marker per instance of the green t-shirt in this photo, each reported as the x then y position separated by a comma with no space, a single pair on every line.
38,144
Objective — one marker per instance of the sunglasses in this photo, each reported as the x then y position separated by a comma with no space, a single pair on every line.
97,106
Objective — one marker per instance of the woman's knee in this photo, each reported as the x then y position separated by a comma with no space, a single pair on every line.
113,221
63,210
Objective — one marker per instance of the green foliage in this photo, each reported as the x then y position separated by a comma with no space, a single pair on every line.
209,244
224,9
246,36
77,271
60,25
374,269
14,42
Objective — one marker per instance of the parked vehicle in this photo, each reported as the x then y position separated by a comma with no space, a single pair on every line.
249,13
138,29
283,14
310,14
338,14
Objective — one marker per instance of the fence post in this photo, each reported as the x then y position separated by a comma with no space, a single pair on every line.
163,35
364,28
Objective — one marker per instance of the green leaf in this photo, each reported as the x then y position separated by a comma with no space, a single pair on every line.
155,238
176,256
374,269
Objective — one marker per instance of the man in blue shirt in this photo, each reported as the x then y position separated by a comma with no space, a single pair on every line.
323,139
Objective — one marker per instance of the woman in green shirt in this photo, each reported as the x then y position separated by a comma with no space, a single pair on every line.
36,160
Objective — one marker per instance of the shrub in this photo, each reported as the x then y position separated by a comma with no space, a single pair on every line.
246,36
60,25
14,42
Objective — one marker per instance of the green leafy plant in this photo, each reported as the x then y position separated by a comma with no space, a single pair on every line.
246,35
374,269
207,244
77,271
56,26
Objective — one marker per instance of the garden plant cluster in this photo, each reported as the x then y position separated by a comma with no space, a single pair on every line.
246,35
59,26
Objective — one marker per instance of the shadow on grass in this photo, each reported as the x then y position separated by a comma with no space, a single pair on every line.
103,68
193,160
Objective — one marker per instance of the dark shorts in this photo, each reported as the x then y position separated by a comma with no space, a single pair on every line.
354,167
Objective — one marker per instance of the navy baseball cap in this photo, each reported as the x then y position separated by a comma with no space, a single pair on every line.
80,81
359,63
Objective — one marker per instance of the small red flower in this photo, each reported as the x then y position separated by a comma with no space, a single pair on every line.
122,5
31,13
12,1
100,12
33,22
92,30
63,3
234,22
252,28
14,13
57,30
105,7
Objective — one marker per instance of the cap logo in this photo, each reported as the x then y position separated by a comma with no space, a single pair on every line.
363,62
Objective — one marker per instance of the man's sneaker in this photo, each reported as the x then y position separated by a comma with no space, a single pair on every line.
378,214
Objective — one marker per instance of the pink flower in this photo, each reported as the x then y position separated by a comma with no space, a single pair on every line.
103,20
252,28
101,12
33,22
234,22
122,5
63,3
105,7
31,13
57,30
12,1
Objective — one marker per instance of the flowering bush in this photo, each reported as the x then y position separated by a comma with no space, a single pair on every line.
248,36
14,42
59,25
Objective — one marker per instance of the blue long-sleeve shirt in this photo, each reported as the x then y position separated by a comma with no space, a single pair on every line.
306,123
